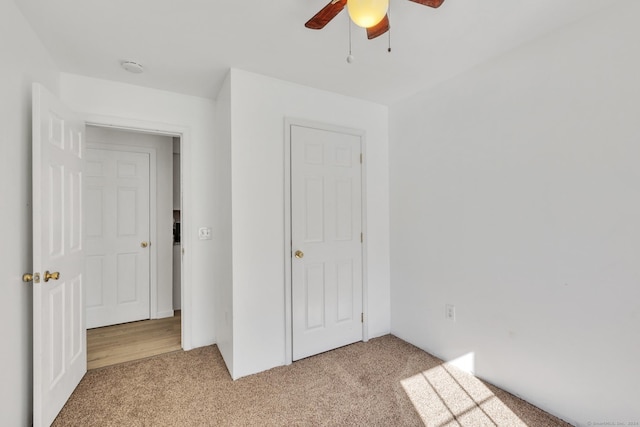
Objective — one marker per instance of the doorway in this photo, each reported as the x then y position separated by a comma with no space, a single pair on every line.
59,328
132,277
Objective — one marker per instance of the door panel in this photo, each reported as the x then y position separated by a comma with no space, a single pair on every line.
117,266
314,209
315,286
326,222
59,338
345,290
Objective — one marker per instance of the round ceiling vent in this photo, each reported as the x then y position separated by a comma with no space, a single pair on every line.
132,67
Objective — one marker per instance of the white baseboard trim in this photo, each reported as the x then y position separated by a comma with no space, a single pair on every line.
163,314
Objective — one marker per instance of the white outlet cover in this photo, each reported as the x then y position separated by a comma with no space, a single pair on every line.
450,312
204,233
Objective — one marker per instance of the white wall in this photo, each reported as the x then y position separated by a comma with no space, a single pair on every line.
259,106
516,196
24,60
222,239
164,203
122,103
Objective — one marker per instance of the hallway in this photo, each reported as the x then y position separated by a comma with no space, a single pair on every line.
115,344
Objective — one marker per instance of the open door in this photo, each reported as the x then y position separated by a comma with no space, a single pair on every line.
59,334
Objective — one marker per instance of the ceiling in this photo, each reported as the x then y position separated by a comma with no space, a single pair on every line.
187,46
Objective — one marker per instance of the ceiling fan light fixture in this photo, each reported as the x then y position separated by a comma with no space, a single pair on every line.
367,13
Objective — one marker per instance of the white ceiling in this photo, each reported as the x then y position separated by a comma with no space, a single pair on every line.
187,46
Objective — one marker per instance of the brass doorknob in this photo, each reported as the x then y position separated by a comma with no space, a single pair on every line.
299,254
28,277
144,244
55,275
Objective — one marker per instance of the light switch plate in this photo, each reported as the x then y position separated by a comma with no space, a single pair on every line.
204,233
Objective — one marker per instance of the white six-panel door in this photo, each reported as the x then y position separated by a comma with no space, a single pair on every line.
326,226
59,346
117,236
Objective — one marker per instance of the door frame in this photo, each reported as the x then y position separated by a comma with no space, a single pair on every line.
288,315
153,215
182,132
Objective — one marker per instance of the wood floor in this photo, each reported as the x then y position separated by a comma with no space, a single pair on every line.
132,341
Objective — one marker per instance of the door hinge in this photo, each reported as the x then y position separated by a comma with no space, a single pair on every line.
360,158
361,317
361,237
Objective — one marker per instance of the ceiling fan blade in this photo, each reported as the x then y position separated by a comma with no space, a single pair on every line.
379,29
430,3
326,14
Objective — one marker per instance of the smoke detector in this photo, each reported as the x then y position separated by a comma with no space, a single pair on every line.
132,67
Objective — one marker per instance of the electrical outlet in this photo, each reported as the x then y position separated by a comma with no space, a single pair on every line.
450,312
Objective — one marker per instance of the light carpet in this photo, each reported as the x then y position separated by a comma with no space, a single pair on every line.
384,382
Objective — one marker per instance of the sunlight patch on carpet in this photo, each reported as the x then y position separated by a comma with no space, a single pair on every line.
447,396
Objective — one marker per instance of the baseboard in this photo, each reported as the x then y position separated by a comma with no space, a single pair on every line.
163,314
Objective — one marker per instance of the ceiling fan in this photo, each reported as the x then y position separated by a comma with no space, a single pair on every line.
334,7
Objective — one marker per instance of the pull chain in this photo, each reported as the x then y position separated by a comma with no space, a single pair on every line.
389,35
350,57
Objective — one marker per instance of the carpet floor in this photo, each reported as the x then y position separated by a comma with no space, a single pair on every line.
384,382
